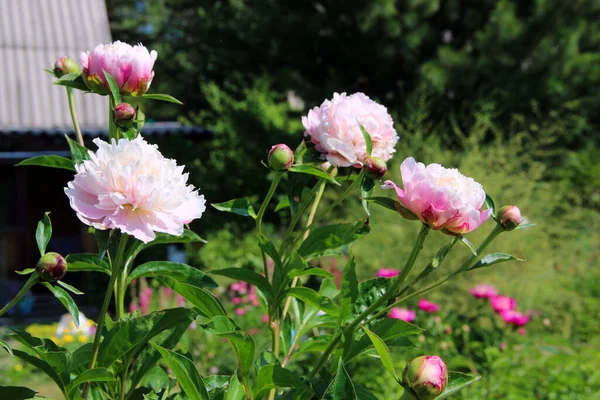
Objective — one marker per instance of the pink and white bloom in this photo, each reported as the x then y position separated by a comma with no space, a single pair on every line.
514,317
503,303
428,306
130,66
388,272
440,197
402,314
334,129
427,376
129,185
483,291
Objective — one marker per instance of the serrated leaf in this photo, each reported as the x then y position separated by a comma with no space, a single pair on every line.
186,373
178,271
161,97
114,88
494,258
49,161
241,207
457,381
66,301
245,275
309,296
43,233
315,171
78,153
327,240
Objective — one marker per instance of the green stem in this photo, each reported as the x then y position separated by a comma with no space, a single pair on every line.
113,130
115,272
261,212
391,292
74,119
33,279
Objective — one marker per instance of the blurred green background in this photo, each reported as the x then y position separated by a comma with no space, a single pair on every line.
506,91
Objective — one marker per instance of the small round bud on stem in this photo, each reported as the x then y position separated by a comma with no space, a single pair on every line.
375,168
65,65
509,217
281,157
124,114
51,267
427,376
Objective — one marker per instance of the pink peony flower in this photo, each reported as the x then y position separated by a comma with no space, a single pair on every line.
334,129
514,317
403,314
387,273
427,376
130,66
265,318
483,291
180,301
236,300
427,306
240,311
522,331
440,197
129,185
509,217
503,303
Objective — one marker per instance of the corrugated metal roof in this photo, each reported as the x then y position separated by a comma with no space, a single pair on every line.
33,35
149,129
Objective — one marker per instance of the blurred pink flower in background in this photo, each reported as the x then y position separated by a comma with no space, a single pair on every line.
180,301
387,273
130,66
403,314
503,303
129,185
427,306
145,299
483,291
240,311
522,331
514,317
265,318
236,300
334,129
133,307
440,197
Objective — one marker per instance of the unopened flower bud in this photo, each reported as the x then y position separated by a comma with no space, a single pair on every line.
375,168
51,267
124,113
509,217
281,157
65,65
427,376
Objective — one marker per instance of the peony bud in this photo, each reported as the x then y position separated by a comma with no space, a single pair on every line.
123,113
281,157
65,65
509,217
51,267
375,168
427,376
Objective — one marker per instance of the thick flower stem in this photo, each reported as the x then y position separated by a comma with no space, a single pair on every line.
261,213
33,279
74,119
115,273
391,292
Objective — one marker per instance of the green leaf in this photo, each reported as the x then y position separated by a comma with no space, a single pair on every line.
43,233
284,202
84,262
383,351
457,381
309,296
525,226
315,344
114,88
363,394
369,292
66,301
201,298
26,271
246,275
74,81
385,202
312,170
70,288
312,271
241,207
368,141
273,376
49,161
103,240
341,387
490,204
164,238
186,373
393,332
269,248
236,390
91,375
43,366
326,240
6,347
349,289
128,336
216,382
16,393
78,153
469,245
494,258
161,97
367,187
178,271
